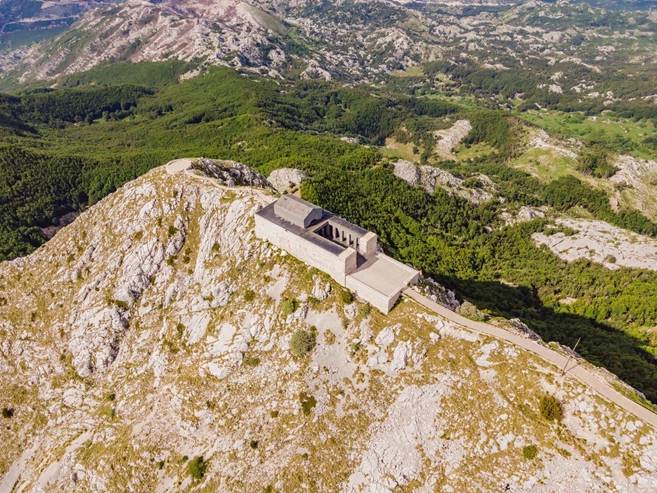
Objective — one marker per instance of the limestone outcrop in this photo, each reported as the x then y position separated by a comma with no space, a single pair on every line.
285,179
481,189
600,242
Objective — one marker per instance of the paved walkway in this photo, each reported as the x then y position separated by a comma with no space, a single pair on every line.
549,355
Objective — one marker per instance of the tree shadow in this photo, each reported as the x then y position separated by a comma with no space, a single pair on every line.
602,345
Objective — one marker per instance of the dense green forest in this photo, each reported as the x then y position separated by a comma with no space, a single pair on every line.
66,148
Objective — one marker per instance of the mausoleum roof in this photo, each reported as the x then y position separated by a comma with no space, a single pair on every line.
296,210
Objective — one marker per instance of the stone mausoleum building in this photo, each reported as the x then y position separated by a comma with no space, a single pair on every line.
348,253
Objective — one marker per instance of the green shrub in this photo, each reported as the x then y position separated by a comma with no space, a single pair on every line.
308,402
551,408
121,304
289,306
364,310
302,342
251,361
249,295
254,444
108,412
110,397
468,310
172,230
347,297
7,412
529,452
160,464
197,467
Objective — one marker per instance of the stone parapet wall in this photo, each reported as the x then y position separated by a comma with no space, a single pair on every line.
377,299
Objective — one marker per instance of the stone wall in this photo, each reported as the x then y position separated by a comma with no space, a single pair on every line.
305,251
377,299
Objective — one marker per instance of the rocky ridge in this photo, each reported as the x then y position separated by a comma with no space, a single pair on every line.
155,328
365,41
481,189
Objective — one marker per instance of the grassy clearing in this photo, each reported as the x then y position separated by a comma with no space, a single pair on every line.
548,165
414,71
397,150
463,152
620,134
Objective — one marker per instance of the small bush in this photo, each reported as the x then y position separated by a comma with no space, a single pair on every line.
110,397
251,361
308,402
302,343
329,337
160,464
273,414
529,452
108,412
197,467
468,310
551,408
121,304
249,295
347,297
289,306
172,230
254,444
180,330
7,412
364,310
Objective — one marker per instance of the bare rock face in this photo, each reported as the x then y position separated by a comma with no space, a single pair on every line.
636,179
450,138
284,179
601,242
524,215
407,171
230,173
321,289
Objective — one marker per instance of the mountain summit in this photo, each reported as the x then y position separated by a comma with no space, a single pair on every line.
156,344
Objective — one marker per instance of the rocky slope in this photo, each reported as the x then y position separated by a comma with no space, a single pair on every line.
156,328
365,40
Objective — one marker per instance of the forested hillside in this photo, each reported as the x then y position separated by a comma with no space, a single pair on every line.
68,147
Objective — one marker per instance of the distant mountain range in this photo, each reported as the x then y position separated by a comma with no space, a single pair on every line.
363,41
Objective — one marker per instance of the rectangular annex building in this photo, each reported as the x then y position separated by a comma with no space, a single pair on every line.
348,253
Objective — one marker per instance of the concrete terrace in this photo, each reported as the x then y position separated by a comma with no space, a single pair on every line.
384,274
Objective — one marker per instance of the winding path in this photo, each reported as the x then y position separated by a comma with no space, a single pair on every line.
549,355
